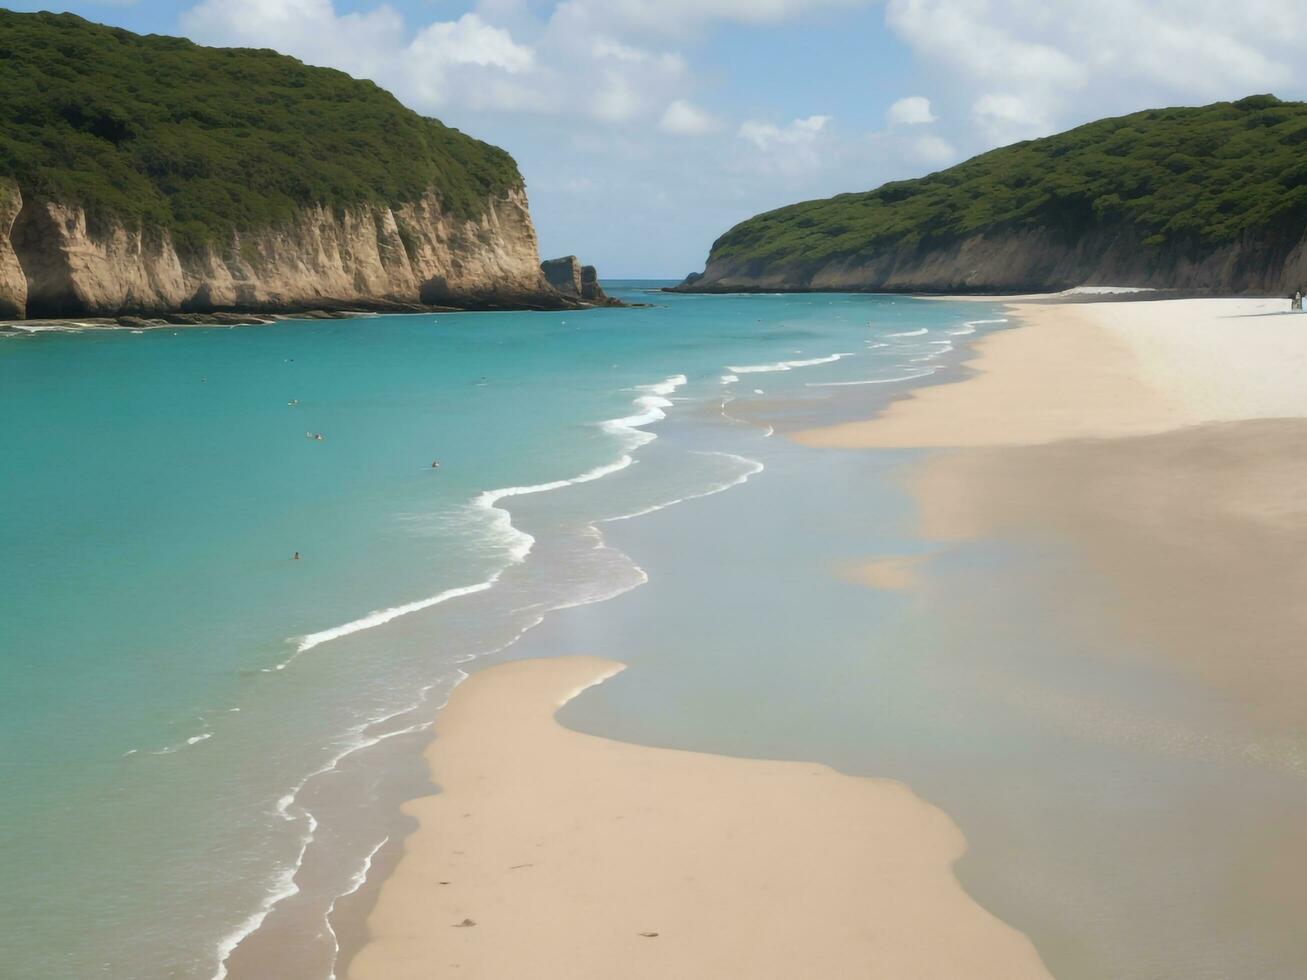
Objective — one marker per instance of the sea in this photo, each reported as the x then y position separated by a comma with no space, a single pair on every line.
243,567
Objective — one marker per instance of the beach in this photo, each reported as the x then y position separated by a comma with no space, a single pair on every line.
550,853
1143,458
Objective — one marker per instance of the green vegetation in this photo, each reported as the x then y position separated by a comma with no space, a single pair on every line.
1187,179
165,134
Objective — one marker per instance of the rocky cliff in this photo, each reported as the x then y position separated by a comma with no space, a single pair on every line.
150,175
1025,260
1209,199
13,284
369,257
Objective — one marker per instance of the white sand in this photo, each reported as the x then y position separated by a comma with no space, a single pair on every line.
1105,370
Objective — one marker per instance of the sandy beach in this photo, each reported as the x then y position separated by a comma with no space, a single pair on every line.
1101,371
550,853
1161,444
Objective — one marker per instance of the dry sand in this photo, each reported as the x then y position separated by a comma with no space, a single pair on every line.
1104,370
553,854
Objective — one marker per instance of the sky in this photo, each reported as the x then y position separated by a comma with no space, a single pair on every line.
646,128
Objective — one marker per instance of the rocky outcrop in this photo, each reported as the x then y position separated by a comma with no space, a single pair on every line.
367,257
591,291
571,278
1029,260
13,284
563,274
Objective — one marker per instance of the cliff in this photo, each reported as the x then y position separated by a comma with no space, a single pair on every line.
147,175
371,256
1207,199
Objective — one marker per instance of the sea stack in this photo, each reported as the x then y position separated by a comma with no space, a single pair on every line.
568,276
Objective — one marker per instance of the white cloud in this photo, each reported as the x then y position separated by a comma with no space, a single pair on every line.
933,150
685,119
912,110
1031,67
767,136
677,17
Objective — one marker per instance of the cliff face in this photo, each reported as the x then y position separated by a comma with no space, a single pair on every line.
372,256
1027,260
13,284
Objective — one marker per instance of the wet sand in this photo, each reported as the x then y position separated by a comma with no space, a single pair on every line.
1155,455
551,853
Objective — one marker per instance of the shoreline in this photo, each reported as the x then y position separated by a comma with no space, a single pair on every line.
552,853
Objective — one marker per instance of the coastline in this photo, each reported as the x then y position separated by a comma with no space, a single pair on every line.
549,852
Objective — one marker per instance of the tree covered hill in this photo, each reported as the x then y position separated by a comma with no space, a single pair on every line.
158,132
1177,185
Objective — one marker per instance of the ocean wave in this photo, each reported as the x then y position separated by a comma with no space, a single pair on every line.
752,468
651,404
785,365
969,326
729,379
871,381
518,543
379,617
909,333
357,881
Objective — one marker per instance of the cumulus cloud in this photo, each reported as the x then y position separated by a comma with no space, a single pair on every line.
913,110
934,151
1030,67
685,119
767,136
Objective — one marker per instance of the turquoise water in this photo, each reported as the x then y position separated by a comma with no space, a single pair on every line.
187,711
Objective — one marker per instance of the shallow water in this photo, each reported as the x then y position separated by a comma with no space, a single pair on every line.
201,736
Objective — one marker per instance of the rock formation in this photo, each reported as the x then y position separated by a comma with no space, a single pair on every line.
13,284
370,257
572,279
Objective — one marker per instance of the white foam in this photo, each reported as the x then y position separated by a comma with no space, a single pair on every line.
729,379
356,882
969,326
379,617
651,404
870,381
753,467
909,333
519,546
784,365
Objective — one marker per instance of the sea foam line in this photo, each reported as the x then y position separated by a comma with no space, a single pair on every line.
909,333
870,381
753,468
356,882
784,365
519,542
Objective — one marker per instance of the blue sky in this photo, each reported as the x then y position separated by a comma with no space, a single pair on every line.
645,128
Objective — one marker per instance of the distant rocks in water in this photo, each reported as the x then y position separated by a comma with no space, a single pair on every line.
577,281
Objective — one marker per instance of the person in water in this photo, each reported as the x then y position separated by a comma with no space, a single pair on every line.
435,464
295,557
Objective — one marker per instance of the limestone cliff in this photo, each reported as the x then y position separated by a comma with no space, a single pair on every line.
370,257
13,284
1025,260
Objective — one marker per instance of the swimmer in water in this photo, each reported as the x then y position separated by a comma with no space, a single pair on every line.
295,557
435,464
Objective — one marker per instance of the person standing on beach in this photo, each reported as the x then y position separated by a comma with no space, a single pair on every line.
1296,303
